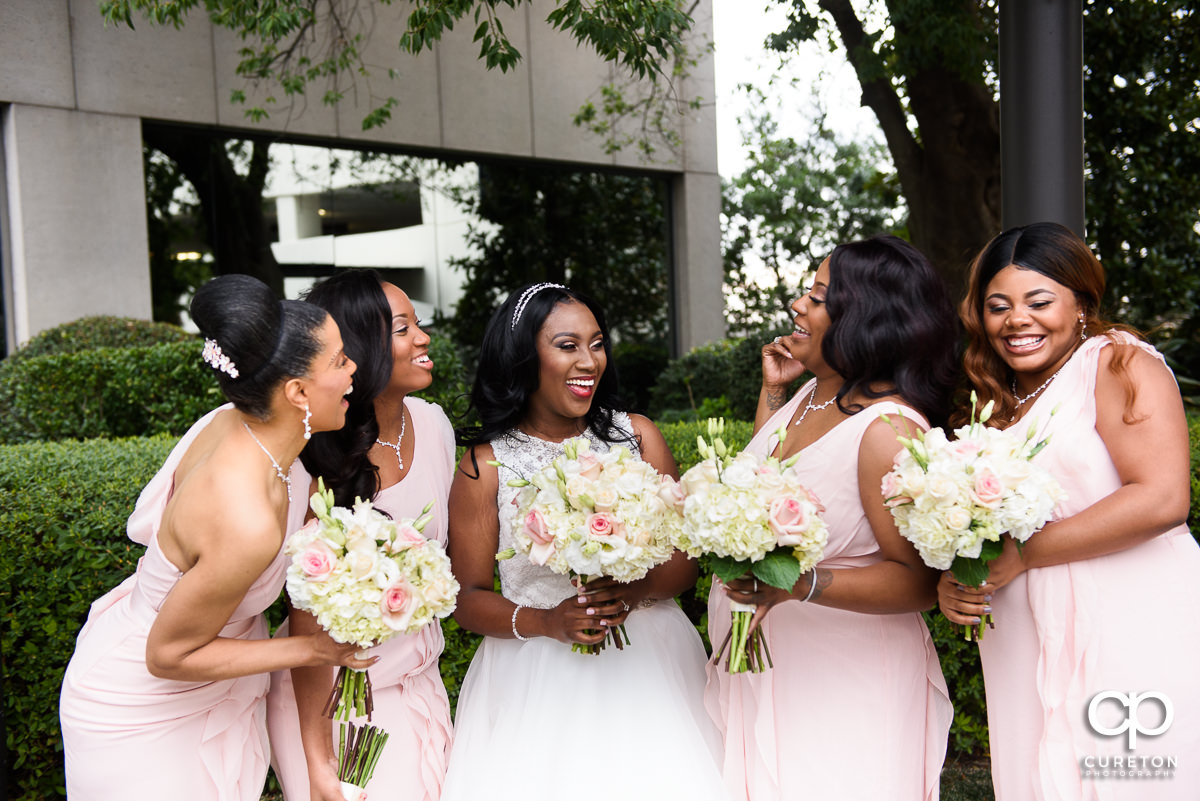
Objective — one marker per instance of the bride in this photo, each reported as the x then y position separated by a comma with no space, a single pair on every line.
535,720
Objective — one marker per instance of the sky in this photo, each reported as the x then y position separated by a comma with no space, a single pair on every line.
740,30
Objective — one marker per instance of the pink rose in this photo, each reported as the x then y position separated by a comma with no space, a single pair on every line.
589,466
965,448
397,605
988,489
543,540
893,492
671,493
602,525
317,561
788,519
406,537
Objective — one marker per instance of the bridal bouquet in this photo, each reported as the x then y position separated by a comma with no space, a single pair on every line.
593,514
366,578
749,515
953,499
359,748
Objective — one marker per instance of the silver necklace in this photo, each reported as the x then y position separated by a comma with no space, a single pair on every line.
808,407
284,477
1021,401
396,445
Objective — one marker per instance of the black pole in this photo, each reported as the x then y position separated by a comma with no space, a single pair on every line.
1041,112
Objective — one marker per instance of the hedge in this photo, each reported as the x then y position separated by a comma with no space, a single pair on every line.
89,333
717,380
105,392
63,506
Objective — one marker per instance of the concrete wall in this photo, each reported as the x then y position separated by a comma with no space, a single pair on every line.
76,92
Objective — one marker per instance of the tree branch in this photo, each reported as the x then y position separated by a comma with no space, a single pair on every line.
877,92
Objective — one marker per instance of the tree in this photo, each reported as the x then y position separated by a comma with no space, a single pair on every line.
799,197
298,44
927,72
171,217
229,177
603,234
927,68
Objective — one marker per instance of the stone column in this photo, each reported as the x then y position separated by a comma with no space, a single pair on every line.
76,218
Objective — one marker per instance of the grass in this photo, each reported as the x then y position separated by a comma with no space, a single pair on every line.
967,779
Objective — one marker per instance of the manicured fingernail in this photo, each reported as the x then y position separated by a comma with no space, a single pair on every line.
591,611
987,610
983,584
581,599
975,620
987,598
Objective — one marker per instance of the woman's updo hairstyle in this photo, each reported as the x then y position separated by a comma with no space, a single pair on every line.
267,340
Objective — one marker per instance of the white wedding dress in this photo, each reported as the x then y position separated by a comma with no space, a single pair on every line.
537,721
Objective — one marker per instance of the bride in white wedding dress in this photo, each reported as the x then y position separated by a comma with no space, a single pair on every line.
536,720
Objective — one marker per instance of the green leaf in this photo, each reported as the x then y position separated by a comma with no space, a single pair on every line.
974,572
727,569
778,568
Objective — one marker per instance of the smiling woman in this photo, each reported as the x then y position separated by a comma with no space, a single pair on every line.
545,376
164,695
1104,597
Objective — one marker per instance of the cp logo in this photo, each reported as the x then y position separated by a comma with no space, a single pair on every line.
1132,722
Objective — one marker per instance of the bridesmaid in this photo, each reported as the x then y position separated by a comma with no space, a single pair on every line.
398,451
853,659
164,696
1105,598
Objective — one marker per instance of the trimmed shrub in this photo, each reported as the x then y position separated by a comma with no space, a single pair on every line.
717,380
106,392
640,364
89,333
63,508
1194,511
450,388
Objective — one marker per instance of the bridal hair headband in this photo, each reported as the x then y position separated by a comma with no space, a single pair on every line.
526,296
218,360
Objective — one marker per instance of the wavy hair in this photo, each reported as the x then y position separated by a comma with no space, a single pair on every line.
891,325
507,376
355,300
1057,253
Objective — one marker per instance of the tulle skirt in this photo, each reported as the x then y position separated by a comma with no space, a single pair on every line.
537,721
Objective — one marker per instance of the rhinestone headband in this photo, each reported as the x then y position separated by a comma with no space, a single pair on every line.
218,360
526,296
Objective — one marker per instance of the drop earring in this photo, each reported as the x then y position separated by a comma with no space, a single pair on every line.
307,427
1082,328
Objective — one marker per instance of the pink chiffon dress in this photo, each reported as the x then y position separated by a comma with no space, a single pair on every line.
129,736
855,706
1127,622
410,699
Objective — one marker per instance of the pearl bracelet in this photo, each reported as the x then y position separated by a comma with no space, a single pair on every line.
516,633
812,588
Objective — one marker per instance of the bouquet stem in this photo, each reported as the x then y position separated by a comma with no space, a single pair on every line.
616,635
359,748
748,650
975,633
351,695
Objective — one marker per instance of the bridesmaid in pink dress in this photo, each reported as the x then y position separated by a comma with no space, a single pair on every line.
164,696
1105,598
399,452
855,706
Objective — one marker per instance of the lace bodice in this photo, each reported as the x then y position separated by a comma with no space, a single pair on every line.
521,581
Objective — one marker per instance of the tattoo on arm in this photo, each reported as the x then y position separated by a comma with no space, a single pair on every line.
823,579
776,398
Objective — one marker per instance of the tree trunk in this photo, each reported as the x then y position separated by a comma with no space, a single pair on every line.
231,204
951,175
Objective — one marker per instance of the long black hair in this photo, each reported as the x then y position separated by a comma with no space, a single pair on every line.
355,300
507,376
891,324
267,339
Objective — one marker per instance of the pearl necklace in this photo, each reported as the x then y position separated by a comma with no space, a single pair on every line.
808,407
396,445
1021,401
284,477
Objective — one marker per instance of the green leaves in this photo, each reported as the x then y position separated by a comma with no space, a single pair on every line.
778,568
973,572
